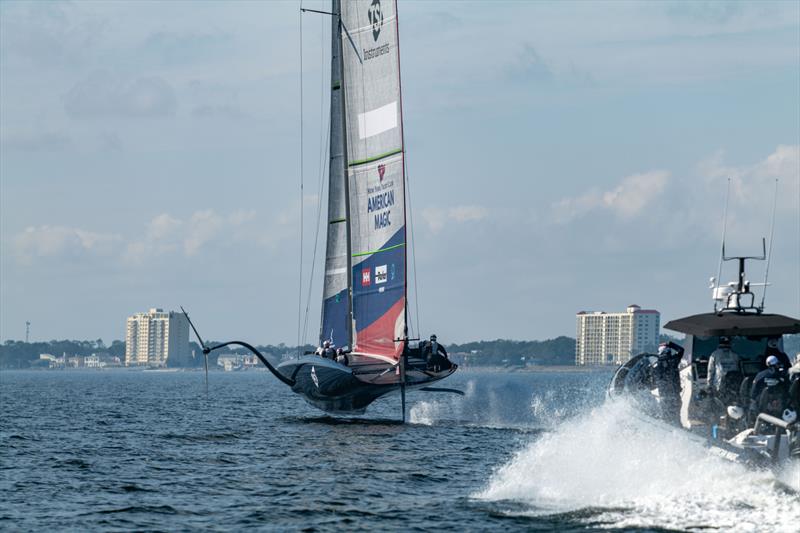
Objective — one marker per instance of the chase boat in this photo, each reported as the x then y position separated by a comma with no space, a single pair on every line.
763,431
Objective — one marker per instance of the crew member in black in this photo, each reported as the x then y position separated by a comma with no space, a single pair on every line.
667,379
773,378
435,354
773,349
328,352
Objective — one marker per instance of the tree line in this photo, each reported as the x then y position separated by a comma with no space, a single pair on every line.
499,352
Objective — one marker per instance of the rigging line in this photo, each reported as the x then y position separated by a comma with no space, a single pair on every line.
322,151
724,227
316,234
300,273
771,235
413,243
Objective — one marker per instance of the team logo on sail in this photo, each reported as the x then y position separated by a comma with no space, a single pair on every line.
365,277
375,18
381,171
380,274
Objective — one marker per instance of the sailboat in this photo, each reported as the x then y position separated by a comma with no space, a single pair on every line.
365,294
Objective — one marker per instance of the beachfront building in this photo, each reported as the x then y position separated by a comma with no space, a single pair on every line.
613,338
154,337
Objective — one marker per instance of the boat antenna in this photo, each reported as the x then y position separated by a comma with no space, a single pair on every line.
771,236
724,228
206,349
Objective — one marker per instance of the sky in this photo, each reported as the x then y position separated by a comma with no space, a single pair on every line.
562,156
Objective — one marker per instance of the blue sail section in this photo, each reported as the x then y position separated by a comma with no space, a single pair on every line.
378,296
334,322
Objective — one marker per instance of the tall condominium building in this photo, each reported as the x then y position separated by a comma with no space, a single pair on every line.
613,338
152,338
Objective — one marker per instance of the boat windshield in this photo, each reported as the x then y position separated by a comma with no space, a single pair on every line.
752,348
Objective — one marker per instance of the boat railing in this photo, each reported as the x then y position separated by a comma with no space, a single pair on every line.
781,426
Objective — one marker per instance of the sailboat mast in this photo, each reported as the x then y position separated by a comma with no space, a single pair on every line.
403,151
339,60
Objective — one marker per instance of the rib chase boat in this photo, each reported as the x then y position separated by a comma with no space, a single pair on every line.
365,296
721,411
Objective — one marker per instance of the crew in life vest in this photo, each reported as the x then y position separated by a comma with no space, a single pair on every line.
327,350
773,382
773,349
667,379
724,376
435,355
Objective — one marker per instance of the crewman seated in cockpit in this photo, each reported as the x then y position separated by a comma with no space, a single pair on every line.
341,357
435,355
724,376
768,393
328,351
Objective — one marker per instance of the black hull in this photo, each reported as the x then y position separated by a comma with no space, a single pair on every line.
339,389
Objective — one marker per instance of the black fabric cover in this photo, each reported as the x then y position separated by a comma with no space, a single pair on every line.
730,324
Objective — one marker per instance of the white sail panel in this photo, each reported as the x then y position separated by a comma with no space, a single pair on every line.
371,78
377,121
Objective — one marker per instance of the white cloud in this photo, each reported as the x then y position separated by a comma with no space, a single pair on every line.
436,217
61,241
754,183
633,194
167,234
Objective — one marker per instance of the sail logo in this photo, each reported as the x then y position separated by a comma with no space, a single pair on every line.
381,171
375,16
381,275
365,277
314,377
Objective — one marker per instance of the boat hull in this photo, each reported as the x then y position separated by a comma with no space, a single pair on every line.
339,389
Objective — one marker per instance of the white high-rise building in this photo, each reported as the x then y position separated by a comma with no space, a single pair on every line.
613,338
152,338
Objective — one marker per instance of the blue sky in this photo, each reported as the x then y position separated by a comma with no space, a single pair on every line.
562,156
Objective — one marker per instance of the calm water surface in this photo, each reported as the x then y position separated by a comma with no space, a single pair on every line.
117,450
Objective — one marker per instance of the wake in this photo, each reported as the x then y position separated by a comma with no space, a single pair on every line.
639,473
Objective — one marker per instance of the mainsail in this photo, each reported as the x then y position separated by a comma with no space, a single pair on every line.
373,188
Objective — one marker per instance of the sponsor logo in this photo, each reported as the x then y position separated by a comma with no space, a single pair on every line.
392,272
381,171
375,16
314,377
365,280
380,274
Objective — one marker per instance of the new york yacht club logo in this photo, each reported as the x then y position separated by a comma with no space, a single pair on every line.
375,18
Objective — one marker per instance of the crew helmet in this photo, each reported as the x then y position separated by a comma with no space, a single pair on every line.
772,361
663,348
326,344
724,341
433,337
772,343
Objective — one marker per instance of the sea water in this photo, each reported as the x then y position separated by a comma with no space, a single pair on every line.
521,451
